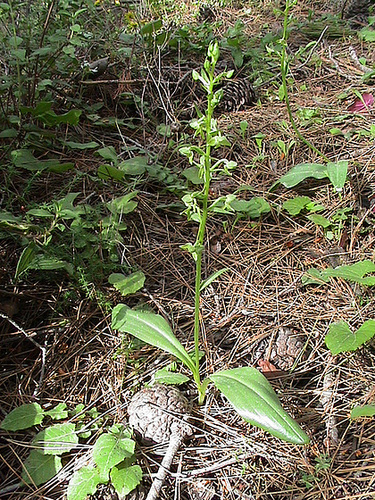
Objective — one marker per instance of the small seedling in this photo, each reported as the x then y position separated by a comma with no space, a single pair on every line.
248,391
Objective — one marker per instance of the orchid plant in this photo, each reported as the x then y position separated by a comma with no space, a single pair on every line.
246,388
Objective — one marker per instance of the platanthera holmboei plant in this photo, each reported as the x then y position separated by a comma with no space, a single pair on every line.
247,390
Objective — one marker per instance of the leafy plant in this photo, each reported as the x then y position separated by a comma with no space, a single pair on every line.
341,339
248,391
322,462
353,272
112,453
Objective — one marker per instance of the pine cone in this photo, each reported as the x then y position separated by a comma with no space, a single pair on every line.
157,412
237,94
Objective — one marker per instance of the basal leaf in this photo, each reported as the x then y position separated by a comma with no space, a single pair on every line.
300,172
319,220
125,478
127,284
110,450
23,417
152,329
39,468
252,396
80,145
362,411
134,166
352,272
341,339
108,172
56,439
83,483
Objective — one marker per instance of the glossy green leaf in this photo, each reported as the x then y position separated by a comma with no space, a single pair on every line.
341,339
39,468
300,172
83,483
337,173
252,396
23,417
56,439
152,329
125,478
110,450
362,411
127,285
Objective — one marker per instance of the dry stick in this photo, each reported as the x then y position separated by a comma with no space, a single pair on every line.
42,349
173,446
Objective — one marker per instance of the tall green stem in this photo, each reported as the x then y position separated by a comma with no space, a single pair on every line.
199,244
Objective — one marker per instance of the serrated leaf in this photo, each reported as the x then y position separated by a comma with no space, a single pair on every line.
341,339
83,483
56,439
152,329
110,450
127,285
59,412
125,479
296,205
23,417
300,172
164,376
362,411
39,468
252,396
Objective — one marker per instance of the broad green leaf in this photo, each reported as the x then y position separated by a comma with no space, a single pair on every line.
152,329
164,376
337,173
80,145
110,450
319,220
43,263
108,153
83,483
296,205
252,396
362,411
300,172
40,212
353,272
134,166
108,172
341,339
123,204
23,158
192,175
253,208
213,277
27,256
39,469
125,478
59,412
127,284
56,439
23,417
150,28
9,133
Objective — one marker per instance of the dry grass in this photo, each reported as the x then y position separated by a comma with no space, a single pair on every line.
87,362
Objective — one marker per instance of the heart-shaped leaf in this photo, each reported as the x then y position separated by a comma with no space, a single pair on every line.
152,329
253,398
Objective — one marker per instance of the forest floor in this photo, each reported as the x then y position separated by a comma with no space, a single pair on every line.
248,311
